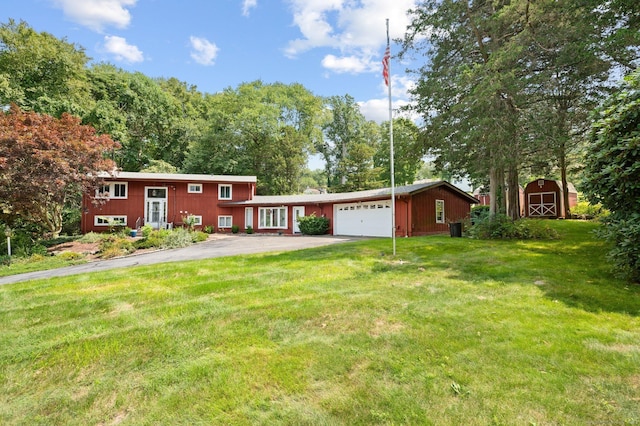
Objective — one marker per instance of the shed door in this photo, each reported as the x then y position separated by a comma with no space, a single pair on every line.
542,204
368,218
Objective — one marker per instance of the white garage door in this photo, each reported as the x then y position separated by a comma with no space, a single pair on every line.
370,218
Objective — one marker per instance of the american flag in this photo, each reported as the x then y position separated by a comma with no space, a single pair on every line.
385,65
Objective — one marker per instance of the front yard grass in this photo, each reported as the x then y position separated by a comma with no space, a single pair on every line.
449,331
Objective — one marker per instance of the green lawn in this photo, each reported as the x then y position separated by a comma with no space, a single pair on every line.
451,331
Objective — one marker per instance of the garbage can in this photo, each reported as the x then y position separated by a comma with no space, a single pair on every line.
134,233
455,229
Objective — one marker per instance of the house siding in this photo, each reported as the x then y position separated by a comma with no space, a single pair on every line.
180,203
423,211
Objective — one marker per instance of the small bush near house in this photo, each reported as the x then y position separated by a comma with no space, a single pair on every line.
503,227
209,229
198,236
479,213
115,245
235,229
249,230
146,230
180,237
313,225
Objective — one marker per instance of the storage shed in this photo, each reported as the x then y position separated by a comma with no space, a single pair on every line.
543,198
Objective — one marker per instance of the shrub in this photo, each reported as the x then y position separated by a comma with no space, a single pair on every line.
479,213
180,237
198,236
249,230
623,230
70,255
503,227
313,225
586,210
235,229
209,229
91,237
146,230
112,245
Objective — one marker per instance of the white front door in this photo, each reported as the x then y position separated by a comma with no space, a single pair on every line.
248,217
155,212
298,211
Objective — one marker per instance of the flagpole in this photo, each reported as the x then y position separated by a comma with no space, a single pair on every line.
391,160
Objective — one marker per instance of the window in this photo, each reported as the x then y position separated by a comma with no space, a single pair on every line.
273,218
224,192
113,190
224,221
439,211
110,221
194,188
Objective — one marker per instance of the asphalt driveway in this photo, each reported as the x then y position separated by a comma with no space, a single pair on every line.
227,245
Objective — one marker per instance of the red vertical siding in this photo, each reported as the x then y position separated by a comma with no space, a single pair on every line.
180,203
423,210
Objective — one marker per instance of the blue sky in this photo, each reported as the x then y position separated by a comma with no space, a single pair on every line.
332,47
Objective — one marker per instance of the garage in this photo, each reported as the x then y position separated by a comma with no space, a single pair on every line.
365,218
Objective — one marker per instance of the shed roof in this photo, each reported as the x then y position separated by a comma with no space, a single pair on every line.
176,177
339,197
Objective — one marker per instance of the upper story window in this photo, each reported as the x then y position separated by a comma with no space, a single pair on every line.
224,192
194,188
111,190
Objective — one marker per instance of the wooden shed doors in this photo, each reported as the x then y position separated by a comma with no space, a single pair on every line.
542,204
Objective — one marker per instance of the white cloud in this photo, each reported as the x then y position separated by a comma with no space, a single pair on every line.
247,5
97,14
356,29
204,52
122,51
378,109
347,64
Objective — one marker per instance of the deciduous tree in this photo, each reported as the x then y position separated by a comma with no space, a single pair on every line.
43,160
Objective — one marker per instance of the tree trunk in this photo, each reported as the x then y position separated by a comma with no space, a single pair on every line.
492,191
513,202
563,175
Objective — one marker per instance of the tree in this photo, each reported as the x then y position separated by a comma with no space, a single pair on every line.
266,130
139,114
408,152
39,72
348,146
44,160
612,173
469,93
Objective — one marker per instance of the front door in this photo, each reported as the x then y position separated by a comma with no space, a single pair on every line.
248,217
155,213
298,211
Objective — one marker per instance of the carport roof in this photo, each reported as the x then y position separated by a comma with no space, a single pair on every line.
345,197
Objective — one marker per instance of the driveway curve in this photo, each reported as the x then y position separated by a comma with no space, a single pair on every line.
219,246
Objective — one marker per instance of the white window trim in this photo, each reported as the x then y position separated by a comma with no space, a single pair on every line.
109,195
225,217
197,219
118,220
220,197
262,217
442,219
196,190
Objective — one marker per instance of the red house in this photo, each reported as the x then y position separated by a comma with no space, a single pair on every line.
163,200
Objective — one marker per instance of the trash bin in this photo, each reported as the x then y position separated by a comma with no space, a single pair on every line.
455,229
134,233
